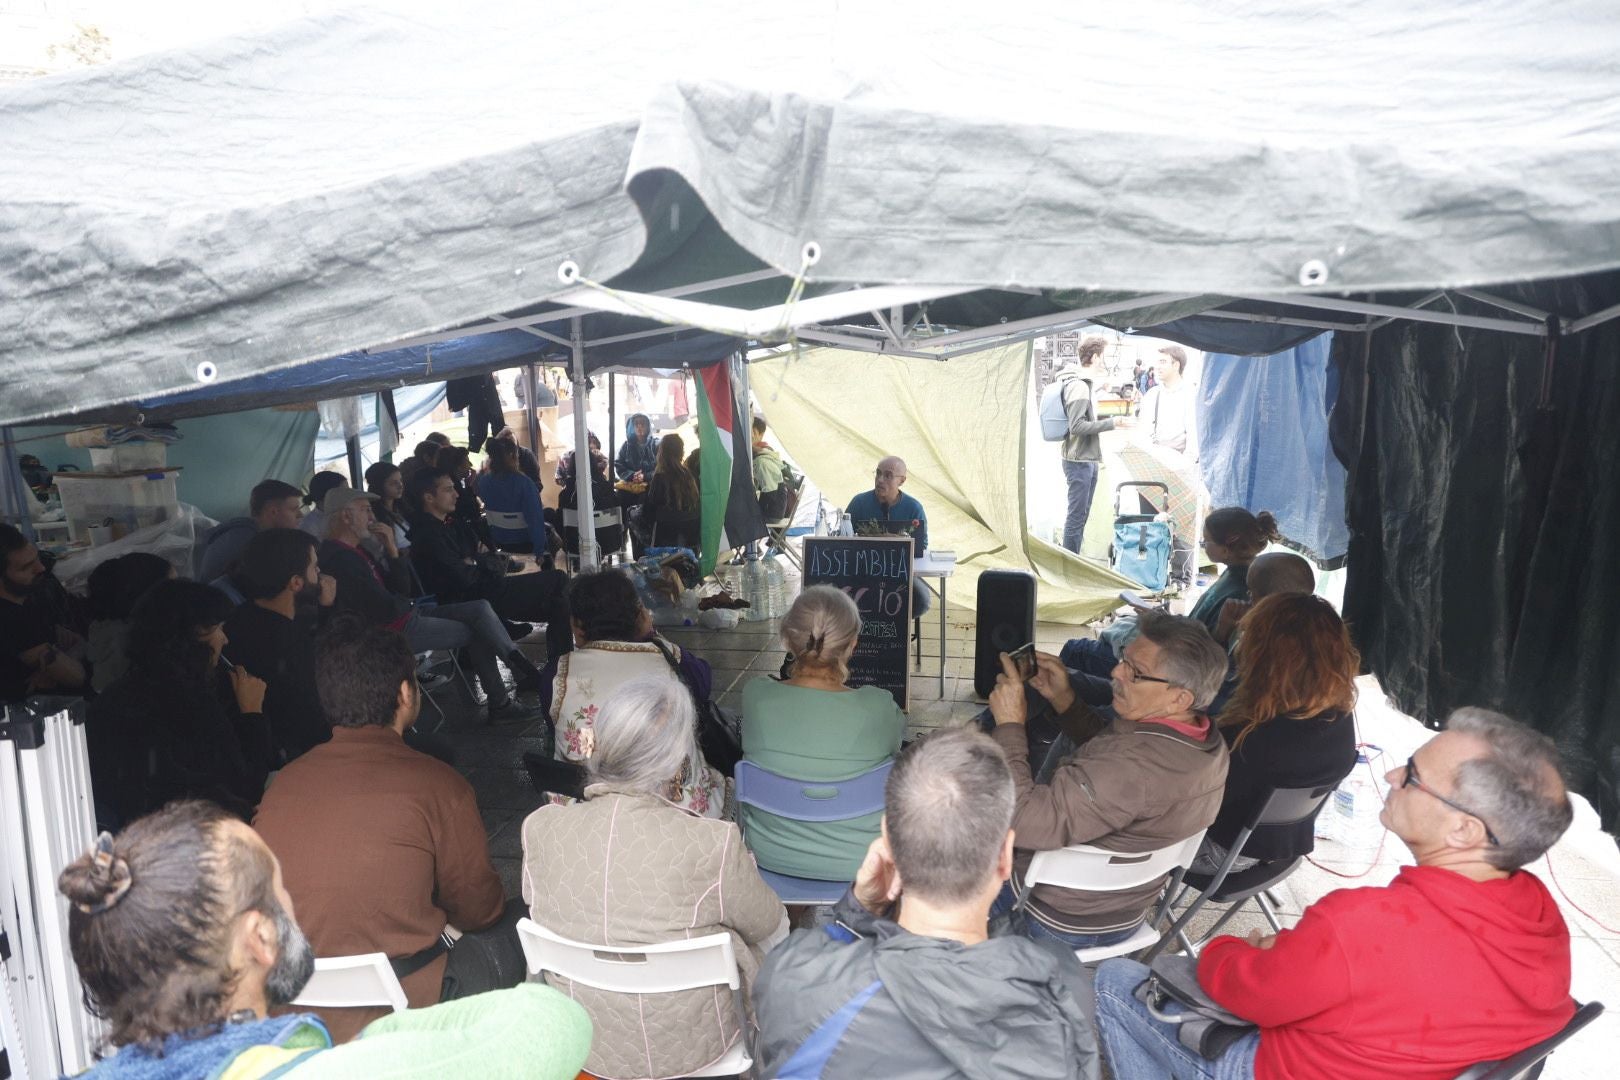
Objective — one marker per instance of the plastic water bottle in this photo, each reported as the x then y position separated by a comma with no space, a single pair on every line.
756,589
1355,807
776,587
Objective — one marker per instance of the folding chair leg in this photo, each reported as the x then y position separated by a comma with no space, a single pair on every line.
427,697
1226,917
1270,912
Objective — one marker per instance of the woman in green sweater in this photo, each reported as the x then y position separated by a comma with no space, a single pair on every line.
1234,537
813,727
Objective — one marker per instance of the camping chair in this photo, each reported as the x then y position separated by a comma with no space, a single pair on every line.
346,982
777,529
1528,1063
606,521
1281,809
499,519
809,801
1091,869
645,969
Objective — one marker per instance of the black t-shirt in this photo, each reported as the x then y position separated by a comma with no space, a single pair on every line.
21,628
281,651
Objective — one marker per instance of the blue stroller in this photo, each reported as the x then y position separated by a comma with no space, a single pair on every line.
1143,539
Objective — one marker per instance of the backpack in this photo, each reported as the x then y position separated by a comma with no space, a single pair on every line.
1054,417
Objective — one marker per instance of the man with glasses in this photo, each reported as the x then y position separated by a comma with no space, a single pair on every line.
1152,776
1462,958
888,511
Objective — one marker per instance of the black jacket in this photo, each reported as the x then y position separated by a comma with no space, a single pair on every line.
440,550
370,590
153,739
281,651
1282,753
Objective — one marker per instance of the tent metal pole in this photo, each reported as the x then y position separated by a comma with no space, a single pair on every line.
531,390
524,321
1278,320
1503,303
1047,322
585,501
16,503
1594,319
613,419
357,477
1445,318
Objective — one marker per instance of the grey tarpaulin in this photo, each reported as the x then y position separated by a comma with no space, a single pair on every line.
345,181
1483,525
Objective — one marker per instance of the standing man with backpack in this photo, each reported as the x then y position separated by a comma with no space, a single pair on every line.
1069,413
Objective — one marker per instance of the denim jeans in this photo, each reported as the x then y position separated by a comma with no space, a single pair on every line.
1136,1045
1036,930
472,625
1082,478
1089,656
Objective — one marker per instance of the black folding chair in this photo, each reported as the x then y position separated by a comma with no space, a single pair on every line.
1281,809
1528,1063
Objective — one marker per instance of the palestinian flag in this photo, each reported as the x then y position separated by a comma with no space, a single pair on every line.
731,515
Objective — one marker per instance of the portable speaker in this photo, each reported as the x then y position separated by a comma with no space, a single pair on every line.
1006,621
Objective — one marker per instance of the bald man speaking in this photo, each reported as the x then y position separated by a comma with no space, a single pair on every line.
888,511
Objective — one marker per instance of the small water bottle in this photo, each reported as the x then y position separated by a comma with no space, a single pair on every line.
847,528
756,589
1356,805
821,520
775,586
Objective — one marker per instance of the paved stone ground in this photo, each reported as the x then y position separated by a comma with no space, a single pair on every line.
1586,862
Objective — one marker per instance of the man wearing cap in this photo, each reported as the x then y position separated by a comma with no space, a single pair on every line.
377,595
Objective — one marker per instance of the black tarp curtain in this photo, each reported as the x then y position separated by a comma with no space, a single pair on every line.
1483,503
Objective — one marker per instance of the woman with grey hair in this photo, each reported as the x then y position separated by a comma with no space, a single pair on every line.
812,726
628,867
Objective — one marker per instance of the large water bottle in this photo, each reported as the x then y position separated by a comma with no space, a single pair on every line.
1355,808
776,586
756,589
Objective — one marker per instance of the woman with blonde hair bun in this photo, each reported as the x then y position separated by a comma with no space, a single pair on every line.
812,726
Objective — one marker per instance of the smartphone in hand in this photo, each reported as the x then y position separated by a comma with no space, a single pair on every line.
1023,659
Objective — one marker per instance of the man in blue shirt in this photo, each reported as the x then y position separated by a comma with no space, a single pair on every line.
887,511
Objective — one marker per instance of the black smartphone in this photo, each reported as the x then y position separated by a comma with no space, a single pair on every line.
1023,659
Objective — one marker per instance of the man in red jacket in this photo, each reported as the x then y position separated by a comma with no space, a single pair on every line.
1462,958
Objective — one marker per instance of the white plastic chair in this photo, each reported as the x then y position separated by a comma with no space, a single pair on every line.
644,969
502,520
346,982
1091,869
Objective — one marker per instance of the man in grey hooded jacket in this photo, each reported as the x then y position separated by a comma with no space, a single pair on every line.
912,980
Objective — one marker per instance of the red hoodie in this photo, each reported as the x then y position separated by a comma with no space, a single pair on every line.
1422,978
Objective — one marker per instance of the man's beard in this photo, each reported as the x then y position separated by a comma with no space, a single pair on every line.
295,961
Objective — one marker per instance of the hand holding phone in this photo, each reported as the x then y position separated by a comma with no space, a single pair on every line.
1023,659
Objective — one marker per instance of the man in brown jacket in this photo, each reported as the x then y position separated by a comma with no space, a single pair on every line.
1153,776
381,847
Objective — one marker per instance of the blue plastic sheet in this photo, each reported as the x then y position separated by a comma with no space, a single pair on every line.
1263,437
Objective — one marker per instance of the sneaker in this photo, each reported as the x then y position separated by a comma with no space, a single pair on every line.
431,680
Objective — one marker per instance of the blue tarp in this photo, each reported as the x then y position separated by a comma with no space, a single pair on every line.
1263,438
363,372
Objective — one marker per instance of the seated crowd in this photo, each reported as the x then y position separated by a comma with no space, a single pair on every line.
292,707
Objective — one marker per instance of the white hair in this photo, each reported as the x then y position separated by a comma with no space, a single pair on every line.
645,732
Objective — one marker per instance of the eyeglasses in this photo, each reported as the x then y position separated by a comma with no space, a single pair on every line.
1413,780
885,474
1137,674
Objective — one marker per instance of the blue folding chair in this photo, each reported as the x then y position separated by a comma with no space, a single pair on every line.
809,801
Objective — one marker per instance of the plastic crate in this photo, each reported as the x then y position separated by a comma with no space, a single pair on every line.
130,500
129,457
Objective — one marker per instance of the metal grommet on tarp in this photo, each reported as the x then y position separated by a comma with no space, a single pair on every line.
568,272
1313,273
811,253
207,372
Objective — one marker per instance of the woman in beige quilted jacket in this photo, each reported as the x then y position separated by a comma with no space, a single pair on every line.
628,867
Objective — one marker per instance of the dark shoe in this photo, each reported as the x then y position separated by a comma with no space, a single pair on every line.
511,710
528,676
517,631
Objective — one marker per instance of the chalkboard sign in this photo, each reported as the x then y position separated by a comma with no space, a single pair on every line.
876,572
